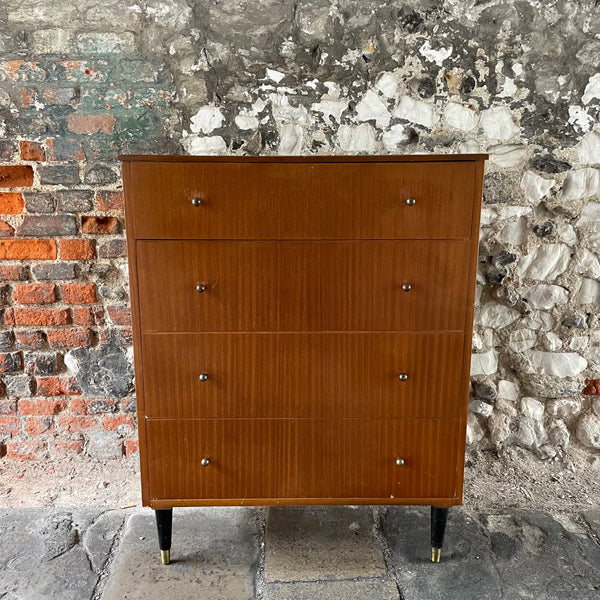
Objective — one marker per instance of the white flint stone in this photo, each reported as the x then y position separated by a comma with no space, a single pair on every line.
499,427
394,137
546,262
590,215
532,408
284,112
588,431
589,149
587,264
508,212
593,239
274,75
488,338
468,147
507,390
514,232
593,355
559,364
551,341
332,109
476,342
496,315
581,183
387,84
505,406
488,216
508,155
372,108
479,407
578,342
498,124
437,56
535,187
129,355
485,363
596,406
415,111
559,434
360,138
522,339
545,296
588,293
291,136
475,432
71,363
461,117
564,408
581,120
530,434
198,146
246,121
592,89
206,120
539,320
567,234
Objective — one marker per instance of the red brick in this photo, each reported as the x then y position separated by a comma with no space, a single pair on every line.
88,315
47,317
8,407
120,315
25,450
33,151
9,425
131,447
74,424
74,337
57,386
592,387
64,448
13,273
66,148
101,225
16,176
27,249
79,293
11,204
6,230
94,406
89,124
41,406
30,340
77,249
34,293
109,200
114,421
38,425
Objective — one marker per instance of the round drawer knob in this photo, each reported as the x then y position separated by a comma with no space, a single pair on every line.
406,287
205,461
200,288
196,201
403,377
203,376
410,201
400,462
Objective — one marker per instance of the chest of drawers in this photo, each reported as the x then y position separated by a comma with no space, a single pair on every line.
302,329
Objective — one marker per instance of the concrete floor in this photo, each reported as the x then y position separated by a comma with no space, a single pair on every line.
342,553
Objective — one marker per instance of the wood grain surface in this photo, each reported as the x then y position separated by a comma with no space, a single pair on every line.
302,458
302,286
302,201
257,375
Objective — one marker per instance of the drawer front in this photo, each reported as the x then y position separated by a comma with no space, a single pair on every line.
302,286
262,375
302,201
302,458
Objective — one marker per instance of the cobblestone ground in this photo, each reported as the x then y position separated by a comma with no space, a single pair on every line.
298,553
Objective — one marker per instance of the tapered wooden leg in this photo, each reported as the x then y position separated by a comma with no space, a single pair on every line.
164,525
439,517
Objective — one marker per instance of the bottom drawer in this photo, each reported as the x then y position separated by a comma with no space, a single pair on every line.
301,458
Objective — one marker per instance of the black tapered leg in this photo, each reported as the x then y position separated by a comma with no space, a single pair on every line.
164,525
439,518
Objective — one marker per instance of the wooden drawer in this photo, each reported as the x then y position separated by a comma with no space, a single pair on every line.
301,459
260,375
301,201
303,286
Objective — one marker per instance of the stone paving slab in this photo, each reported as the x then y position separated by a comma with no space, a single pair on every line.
214,556
54,553
374,589
515,555
316,543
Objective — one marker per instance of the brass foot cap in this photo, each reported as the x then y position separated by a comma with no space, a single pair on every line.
436,553
165,556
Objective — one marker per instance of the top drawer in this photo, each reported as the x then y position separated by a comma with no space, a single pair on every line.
301,200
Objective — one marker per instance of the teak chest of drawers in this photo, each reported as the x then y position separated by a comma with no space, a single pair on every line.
302,329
